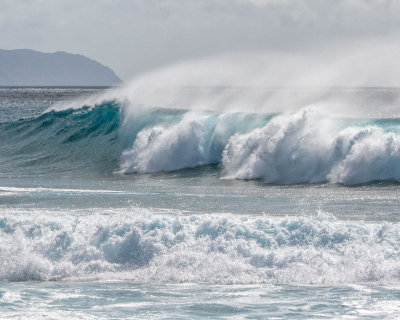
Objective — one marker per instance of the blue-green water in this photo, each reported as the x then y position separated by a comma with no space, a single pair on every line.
113,210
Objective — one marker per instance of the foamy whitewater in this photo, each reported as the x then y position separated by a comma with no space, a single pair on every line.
191,205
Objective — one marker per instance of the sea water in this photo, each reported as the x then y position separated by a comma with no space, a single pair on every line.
113,210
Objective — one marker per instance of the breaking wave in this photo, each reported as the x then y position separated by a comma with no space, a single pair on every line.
307,148
301,147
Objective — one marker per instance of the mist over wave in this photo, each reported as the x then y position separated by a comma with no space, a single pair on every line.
142,246
276,118
361,81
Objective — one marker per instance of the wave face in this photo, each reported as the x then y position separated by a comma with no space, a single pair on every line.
61,140
145,247
301,147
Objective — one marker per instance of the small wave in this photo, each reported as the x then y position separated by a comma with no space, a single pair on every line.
223,249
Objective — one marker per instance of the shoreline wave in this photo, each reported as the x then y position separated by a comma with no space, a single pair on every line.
214,249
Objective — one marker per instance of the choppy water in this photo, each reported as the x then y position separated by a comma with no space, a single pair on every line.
117,210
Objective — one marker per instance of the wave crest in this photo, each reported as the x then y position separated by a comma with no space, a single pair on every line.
159,148
307,148
197,139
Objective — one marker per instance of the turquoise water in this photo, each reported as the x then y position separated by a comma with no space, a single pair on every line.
112,210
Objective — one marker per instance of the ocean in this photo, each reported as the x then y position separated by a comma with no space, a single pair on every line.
114,209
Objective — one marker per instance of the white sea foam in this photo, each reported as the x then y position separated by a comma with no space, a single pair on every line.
160,148
143,246
196,139
304,147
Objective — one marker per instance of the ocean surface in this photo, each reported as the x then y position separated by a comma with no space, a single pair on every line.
112,209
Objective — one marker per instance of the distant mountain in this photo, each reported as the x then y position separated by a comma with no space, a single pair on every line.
24,67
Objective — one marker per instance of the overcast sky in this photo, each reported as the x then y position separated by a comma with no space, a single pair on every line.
135,36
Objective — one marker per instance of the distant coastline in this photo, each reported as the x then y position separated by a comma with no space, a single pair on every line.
29,68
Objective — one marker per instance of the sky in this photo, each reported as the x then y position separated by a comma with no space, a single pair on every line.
137,36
